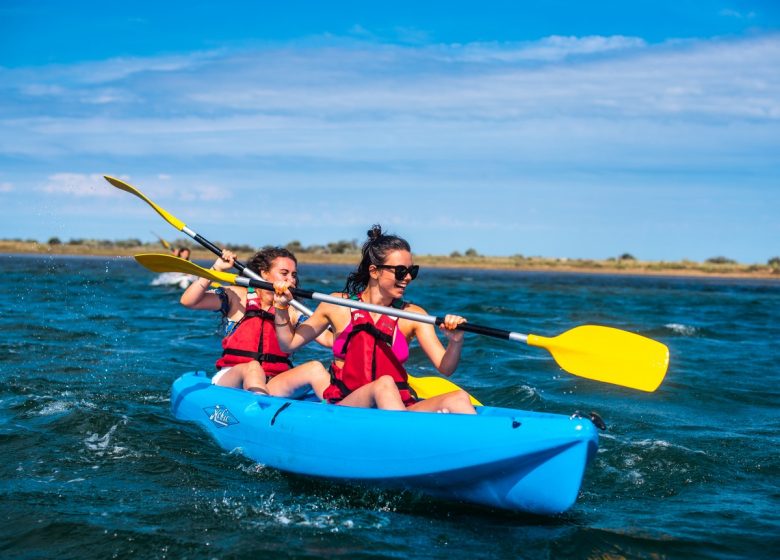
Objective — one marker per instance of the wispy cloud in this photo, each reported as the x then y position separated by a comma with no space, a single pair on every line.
320,124
549,49
728,12
209,193
319,102
76,184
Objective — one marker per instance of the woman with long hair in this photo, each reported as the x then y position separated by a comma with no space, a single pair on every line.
252,358
369,349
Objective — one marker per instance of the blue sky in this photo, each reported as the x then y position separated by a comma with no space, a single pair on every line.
567,129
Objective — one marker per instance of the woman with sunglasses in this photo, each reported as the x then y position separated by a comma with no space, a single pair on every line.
369,349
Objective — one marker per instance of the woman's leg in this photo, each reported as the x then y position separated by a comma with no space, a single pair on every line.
454,401
294,382
381,393
249,376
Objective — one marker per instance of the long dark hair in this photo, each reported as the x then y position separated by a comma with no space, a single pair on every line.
264,258
375,251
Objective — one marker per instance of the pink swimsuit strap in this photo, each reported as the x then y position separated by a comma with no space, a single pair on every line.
400,345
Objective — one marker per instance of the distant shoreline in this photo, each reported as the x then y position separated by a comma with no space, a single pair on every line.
539,264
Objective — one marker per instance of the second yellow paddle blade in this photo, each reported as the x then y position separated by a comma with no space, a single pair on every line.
609,355
168,263
427,387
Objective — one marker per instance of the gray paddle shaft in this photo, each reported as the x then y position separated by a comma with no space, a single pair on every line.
393,312
240,266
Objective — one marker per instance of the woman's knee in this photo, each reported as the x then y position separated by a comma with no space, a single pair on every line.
458,401
252,373
385,383
460,397
316,367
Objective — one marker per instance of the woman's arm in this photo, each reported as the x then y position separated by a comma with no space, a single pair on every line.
325,338
444,359
292,336
197,295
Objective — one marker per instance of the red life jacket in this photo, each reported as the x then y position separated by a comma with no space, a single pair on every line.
368,355
254,338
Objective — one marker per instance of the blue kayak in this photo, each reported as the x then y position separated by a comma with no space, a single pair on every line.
502,458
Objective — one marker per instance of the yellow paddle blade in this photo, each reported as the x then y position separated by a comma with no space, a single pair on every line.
163,241
609,355
168,263
427,387
173,220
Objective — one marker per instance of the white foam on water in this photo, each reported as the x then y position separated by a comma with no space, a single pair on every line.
155,398
317,515
679,328
527,392
635,477
94,442
662,444
102,446
55,407
255,468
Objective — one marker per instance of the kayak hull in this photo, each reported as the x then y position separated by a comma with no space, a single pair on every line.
503,458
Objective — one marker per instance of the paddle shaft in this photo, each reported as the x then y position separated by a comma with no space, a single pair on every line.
242,268
356,304
181,226
163,241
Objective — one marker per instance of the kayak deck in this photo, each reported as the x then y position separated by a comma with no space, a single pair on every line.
504,458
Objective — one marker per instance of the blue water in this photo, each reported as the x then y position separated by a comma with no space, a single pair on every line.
95,466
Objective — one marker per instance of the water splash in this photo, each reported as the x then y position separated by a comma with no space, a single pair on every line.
684,330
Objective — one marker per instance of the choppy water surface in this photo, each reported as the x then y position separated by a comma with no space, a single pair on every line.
95,466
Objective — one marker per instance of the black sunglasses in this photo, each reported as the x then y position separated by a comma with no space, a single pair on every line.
401,271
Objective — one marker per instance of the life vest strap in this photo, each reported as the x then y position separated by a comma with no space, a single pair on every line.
372,330
402,385
268,358
262,313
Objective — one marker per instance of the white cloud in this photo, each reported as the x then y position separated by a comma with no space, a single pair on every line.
42,90
6,187
727,12
208,193
117,69
548,49
359,31
374,85
334,115
79,185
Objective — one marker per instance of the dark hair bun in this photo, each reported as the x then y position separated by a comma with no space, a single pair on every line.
375,232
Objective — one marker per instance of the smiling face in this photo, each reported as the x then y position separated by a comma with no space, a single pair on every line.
386,277
282,268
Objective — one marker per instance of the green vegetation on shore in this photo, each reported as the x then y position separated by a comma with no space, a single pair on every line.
346,252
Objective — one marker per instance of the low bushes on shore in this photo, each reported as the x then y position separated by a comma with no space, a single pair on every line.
346,252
